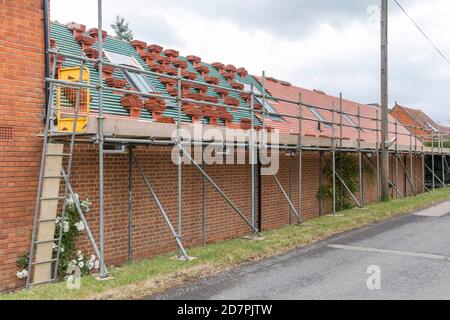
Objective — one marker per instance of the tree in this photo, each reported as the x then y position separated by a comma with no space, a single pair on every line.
122,29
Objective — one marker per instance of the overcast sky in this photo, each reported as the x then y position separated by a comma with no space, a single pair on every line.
323,44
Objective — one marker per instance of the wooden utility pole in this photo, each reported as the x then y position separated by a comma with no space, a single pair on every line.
384,103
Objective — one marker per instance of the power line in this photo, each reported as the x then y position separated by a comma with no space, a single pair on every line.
423,33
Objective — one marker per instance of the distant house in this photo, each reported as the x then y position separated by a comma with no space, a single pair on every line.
417,122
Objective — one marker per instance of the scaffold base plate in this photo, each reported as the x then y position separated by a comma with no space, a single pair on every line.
98,278
177,258
253,238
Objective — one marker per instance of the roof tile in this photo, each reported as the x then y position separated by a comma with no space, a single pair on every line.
321,100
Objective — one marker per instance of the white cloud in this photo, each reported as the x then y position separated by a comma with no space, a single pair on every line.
312,48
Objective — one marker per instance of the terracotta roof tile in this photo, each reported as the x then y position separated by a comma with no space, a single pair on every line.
322,100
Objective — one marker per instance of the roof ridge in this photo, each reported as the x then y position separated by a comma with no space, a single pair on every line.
409,108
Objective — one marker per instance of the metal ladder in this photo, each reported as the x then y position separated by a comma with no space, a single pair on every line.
41,257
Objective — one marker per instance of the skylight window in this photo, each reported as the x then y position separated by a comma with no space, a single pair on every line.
121,59
267,106
139,81
319,117
350,121
432,127
136,79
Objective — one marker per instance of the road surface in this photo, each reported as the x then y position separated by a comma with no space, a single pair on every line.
407,258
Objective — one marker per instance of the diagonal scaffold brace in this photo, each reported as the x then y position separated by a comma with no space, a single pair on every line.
291,205
345,186
391,184
434,174
161,208
81,214
407,175
217,188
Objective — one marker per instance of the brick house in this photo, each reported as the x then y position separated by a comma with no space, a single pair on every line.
22,65
22,60
418,122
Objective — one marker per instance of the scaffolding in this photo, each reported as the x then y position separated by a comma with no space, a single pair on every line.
255,144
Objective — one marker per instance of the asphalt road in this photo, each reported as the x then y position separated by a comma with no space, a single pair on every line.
411,252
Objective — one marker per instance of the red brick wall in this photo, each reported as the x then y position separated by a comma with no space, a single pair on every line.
151,235
275,206
21,110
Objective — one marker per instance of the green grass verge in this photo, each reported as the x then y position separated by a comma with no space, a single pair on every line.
151,276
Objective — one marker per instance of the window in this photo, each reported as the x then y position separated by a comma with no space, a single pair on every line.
319,117
349,119
121,59
267,106
432,127
138,80
114,148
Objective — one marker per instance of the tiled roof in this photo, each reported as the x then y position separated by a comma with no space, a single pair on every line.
445,130
422,119
287,91
66,43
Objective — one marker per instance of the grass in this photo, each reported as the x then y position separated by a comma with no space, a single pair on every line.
152,276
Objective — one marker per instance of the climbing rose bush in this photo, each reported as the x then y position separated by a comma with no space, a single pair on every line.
72,227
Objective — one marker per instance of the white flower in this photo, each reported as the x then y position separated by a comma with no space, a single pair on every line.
73,263
81,264
22,274
92,258
80,226
78,252
91,264
70,203
85,205
80,258
97,264
55,248
66,226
